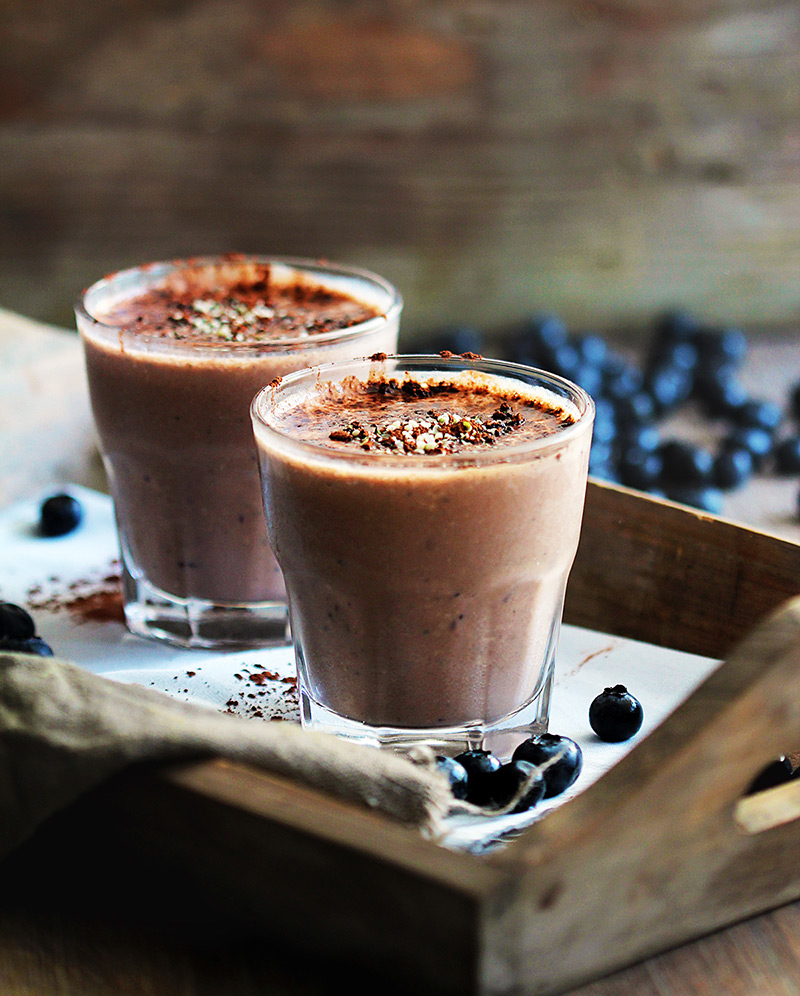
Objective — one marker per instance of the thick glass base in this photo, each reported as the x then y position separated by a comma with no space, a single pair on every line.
194,622
500,736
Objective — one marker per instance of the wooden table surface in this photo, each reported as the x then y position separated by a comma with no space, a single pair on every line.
73,924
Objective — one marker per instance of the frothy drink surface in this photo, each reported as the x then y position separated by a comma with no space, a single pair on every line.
426,530
171,394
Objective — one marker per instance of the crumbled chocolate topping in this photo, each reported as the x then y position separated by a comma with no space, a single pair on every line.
442,431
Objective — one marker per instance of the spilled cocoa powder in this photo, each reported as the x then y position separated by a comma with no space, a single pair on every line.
87,600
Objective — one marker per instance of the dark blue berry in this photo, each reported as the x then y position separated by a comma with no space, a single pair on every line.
759,442
787,456
643,437
562,360
33,645
456,775
635,409
776,773
59,515
732,468
508,780
589,378
759,415
704,499
639,468
794,400
685,464
600,455
676,325
479,765
540,749
669,387
605,421
593,349
621,378
721,394
724,345
15,622
682,355
615,715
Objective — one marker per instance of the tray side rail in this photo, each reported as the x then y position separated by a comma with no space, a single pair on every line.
659,572
667,845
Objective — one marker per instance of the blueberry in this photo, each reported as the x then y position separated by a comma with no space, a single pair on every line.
15,622
605,421
669,387
33,645
794,400
621,378
542,748
776,773
732,468
787,456
635,409
722,345
685,463
479,765
758,441
562,360
682,355
676,325
593,349
639,468
600,455
644,437
456,775
59,515
537,335
759,415
615,715
508,779
705,499
588,377
721,393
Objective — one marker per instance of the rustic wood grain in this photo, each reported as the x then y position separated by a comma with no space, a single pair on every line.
603,159
670,575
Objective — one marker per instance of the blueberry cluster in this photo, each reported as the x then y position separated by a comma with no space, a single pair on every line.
685,361
18,632
541,767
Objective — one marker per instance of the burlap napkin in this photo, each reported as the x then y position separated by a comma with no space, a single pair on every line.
63,731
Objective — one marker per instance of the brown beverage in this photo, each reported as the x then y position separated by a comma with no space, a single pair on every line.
174,354
425,514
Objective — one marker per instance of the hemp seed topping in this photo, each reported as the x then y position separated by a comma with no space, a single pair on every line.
431,432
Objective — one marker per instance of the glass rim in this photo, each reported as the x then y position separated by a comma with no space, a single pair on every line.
160,268
508,453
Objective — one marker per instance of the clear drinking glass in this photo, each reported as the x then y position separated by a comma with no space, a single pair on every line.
174,429
425,591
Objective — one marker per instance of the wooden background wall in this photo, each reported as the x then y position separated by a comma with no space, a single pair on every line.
604,158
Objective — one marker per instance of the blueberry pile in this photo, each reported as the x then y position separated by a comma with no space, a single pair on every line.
541,767
18,632
685,361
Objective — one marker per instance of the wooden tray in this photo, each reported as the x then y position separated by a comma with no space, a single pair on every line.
663,848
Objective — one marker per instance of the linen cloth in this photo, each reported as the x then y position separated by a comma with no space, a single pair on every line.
63,731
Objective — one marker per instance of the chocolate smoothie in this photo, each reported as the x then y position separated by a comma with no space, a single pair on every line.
175,354
426,524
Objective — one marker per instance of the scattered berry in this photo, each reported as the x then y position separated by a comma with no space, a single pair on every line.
456,775
59,515
704,499
479,765
732,468
33,645
776,773
787,456
508,779
561,773
685,464
15,622
615,715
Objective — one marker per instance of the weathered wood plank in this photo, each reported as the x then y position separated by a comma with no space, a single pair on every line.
602,159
